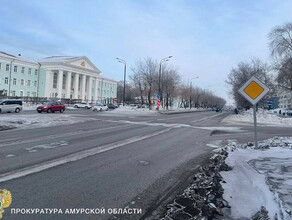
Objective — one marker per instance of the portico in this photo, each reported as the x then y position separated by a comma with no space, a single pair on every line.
71,78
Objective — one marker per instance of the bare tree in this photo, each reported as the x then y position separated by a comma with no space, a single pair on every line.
170,82
281,40
244,70
144,75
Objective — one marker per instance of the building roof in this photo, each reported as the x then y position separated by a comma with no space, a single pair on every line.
20,58
61,59
107,79
49,60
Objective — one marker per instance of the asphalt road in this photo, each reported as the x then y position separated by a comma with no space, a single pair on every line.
114,161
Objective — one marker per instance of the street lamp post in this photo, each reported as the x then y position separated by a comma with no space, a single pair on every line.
159,77
191,90
125,69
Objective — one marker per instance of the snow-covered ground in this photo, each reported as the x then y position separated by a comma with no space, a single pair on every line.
263,118
260,177
40,120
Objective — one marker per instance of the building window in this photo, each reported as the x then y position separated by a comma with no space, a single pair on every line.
22,82
0,66
64,81
14,81
7,67
21,93
28,82
29,71
33,94
36,72
22,69
6,80
35,83
55,79
28,94
13,93
15,69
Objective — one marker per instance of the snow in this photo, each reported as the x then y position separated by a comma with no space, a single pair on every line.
40,120
263,118
260,177
128,110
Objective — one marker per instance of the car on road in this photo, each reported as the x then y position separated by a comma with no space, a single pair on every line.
82,105
99,107
51,107
218,110
10,105
111,106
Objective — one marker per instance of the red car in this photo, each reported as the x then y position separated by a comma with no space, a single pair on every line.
50,107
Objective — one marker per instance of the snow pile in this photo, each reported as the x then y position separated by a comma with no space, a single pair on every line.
128,110
27,106
260,178
203,198
39,120
263,117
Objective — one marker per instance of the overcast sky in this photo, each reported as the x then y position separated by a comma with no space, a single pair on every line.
205,38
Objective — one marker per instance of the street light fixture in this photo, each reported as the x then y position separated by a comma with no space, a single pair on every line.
125,69
191,90
159,77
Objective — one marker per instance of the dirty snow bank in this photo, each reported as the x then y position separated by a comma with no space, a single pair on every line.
240,182
263,117
260,177
39,120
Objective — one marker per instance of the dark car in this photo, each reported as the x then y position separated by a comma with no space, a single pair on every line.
111,106
218,110
50,107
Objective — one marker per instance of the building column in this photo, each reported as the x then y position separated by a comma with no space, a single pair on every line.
68,85
49,83
89,89
76,85
95,91
83,81
60,83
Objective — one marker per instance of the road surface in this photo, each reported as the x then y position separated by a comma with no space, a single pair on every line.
113,161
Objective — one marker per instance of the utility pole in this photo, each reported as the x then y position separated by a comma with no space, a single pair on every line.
125,69
159,77
191,90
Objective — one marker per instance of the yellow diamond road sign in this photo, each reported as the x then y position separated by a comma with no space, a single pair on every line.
253,90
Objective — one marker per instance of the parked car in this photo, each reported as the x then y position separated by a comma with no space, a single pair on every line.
142,106
82,105
218,110
100,107
111,106
10,105
50,107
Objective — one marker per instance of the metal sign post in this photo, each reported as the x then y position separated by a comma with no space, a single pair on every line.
255,126
253,91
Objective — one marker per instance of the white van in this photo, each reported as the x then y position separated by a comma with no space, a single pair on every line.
10,105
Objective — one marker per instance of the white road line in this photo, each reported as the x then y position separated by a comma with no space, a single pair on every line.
55,136
212,116
74,157
180,116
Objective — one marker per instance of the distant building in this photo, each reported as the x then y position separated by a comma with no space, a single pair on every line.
63,77
107,90
270,103
285,98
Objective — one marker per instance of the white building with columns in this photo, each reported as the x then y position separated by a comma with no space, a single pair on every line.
71,78
62,77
